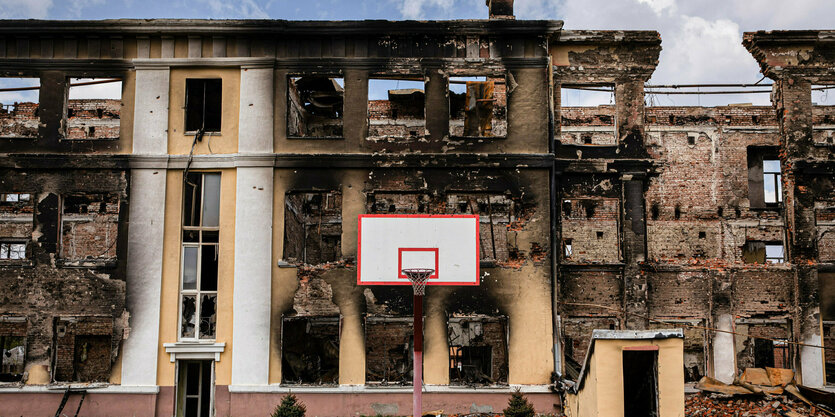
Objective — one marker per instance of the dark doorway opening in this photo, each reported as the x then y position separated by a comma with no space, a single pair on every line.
640,383
195,388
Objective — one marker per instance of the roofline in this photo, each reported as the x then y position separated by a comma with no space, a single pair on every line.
281,27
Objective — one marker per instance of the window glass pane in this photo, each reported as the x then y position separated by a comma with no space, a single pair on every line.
17,251
208,268
191,200
4,251
771,165
779,188
189,267
208,318
12,197
189,319
210,236
211,199
770,193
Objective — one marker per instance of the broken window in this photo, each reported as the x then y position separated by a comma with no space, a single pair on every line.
399,203
83,349
310,350
203,104
93,108
388,350
590,229
89,227
496,212
313,227
199,257
763,252
477,350
14,197
396,109
477,106
314,106
823,95
12,348
12,250
764,178
587,115
19,102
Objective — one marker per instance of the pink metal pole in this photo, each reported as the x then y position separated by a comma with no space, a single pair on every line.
417,363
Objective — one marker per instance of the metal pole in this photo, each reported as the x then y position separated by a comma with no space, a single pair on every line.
417,363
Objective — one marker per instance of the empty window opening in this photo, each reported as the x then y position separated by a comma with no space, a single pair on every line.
600,235
310,350
568,249
203,104
12,250
199,256
478,106
495,214
388,350
587,115
313,227
396,108
195,388
19,102
767,345
89,227
772,178
654,211
691,140
640,383
477,350
763,252
14,197
83,349
823,95
720,211
702,235
12,349
314,106
93,108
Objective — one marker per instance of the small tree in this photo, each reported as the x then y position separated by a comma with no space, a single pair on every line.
290,407
518,406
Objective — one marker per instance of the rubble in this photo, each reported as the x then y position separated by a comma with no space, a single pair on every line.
719,405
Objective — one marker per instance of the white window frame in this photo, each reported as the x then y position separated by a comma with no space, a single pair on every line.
775,178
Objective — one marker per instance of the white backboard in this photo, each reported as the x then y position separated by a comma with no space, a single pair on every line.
389,243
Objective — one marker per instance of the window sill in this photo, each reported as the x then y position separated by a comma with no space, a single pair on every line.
451,137
317,138
205,134
87,263
194,350
116,139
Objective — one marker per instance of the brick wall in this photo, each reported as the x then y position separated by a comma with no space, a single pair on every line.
83,349
86,119
388,344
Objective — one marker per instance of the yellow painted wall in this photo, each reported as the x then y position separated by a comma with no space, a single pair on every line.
602,392
170,298
226,141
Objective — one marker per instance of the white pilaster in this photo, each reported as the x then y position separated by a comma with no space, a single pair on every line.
253,276
144,276
724,363
150,125
812,365
255,131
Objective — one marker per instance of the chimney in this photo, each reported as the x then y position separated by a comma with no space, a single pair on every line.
501,9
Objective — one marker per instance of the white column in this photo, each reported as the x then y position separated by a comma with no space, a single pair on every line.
812,365
150,124
724,363
144,276
255,131
253,276
145,229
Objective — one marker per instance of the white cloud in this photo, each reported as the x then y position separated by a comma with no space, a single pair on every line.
25,9
416,9
107,90
75,8
241,9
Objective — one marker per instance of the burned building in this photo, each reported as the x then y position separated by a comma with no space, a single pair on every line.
189,247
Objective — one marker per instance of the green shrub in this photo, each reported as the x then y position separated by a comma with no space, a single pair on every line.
518,406
290,407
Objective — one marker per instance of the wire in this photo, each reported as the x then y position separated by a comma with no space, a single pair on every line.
697,327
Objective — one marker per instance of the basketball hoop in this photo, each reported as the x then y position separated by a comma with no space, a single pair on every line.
418,277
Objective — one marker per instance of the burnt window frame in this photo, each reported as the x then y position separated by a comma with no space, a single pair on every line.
64,130
337,74
35,75
285,260
203,112
394,77
201,231
98,261
581,131
6,377
487,75
327,319
7,244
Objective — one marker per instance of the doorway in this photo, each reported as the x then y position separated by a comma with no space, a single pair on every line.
195,388
640,383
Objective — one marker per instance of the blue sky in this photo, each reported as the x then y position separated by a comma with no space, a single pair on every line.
701,39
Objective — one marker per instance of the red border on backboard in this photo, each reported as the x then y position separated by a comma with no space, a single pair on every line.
400,251
405,282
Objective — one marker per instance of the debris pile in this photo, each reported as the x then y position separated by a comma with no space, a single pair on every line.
759,392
